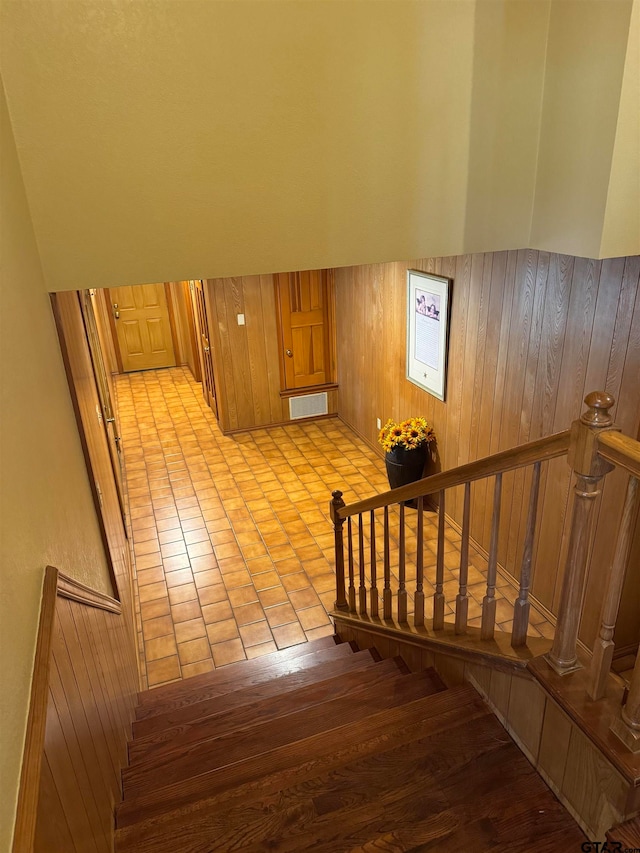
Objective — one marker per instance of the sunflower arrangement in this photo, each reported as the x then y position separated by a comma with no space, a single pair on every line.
408,435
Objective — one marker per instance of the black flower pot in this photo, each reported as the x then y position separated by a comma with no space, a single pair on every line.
405,466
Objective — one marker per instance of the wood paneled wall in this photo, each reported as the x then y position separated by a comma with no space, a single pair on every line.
531,334
245,358
83,695
92,694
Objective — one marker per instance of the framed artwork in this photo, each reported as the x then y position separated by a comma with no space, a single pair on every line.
428,331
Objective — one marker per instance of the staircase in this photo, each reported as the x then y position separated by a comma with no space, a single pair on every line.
323,747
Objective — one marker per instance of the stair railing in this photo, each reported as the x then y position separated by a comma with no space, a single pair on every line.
361,517
594,446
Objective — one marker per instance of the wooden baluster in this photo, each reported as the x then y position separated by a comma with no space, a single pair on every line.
489,601
522,605
438,595
604,645
589,469
462,599
418,602
386,593
362,591
352,581
627,726
402,570
373,599
334,507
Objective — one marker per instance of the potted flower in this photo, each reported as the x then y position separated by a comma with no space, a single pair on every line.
405,445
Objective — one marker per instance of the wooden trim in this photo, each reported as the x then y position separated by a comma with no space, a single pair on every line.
497,652
185,295
310,389
620,449
332,333
83,441
114,331
76,591
25,826
542,449
278,303
172,321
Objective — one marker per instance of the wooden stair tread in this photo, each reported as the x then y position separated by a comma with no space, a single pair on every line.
234,672
254,708
627,834
444,783
179,765
435,712
301,671
254,801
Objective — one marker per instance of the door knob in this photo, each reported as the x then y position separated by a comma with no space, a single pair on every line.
289,353
116,313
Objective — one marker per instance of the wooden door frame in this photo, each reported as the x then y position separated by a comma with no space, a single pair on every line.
114,331
331,340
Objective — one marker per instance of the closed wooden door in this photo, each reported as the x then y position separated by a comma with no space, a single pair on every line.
304,303
204,345
108,412
143,327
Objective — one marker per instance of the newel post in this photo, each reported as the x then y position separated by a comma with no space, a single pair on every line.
589,470
334,507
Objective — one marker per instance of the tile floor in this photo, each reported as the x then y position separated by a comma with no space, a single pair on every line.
231,535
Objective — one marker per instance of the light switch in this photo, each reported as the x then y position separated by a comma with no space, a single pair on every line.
241,319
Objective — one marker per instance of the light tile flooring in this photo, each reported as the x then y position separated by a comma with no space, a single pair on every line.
231,535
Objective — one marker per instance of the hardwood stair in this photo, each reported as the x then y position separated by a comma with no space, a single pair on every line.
328,748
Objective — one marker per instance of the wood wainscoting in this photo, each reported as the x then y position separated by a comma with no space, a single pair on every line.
83,693
531,334
246,358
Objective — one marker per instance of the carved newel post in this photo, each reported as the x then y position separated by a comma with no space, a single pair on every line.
589,470
334,507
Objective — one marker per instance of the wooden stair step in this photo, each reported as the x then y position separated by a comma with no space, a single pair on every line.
627,834
179,764
254,806
254,708
329,748
302,670
430,803
433,789
235,671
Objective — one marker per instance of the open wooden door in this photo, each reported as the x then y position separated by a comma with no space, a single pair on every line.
204,344
142,326
305,324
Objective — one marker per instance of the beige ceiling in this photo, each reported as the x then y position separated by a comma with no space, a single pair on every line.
166,139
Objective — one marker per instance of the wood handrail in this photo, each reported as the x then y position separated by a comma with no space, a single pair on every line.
620,449
539,450
25,827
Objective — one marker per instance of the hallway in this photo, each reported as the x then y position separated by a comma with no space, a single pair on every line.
231,535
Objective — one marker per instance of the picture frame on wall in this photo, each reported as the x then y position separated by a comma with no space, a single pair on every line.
428,302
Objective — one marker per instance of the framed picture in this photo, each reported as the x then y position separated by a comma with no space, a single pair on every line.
428,331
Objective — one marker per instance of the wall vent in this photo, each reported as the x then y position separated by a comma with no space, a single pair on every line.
308,406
